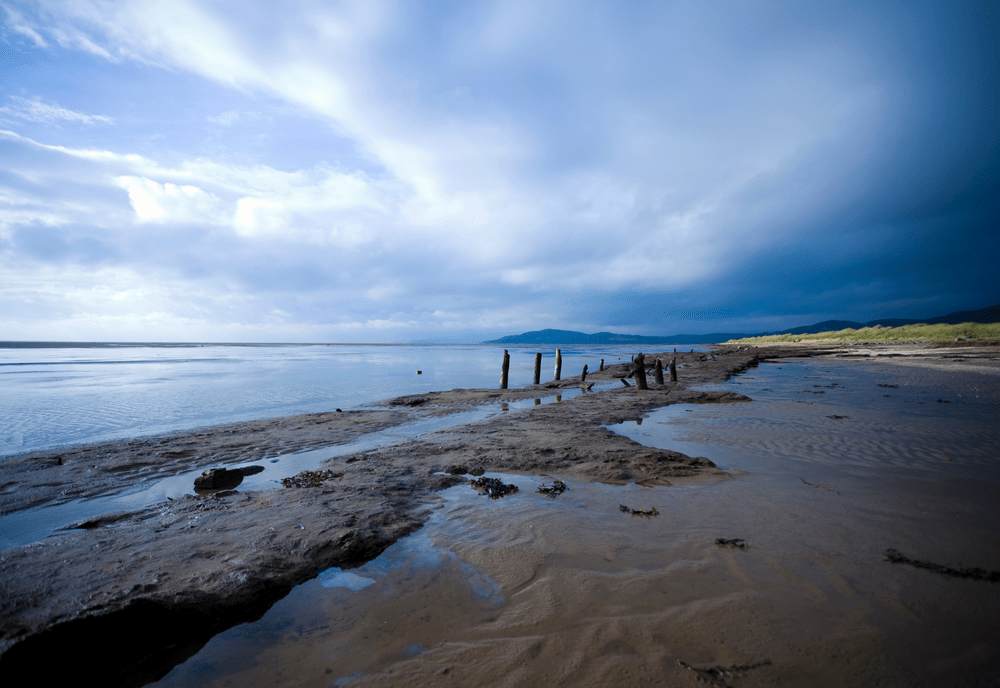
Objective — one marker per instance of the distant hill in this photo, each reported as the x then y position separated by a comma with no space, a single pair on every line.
825,326
991,314
600,338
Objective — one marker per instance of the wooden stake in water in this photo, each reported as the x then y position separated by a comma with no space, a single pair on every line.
602,364
659,372
504,370
558,364
538,368
583,376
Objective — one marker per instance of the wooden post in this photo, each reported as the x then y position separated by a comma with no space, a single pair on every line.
659,372
538,368
504,370
640,371
558,364
673,369
583,377
602,364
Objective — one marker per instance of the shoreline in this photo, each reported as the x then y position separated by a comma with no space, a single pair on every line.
190,567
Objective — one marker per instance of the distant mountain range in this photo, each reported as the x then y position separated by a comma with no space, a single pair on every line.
990,314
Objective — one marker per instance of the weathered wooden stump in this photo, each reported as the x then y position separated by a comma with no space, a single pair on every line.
583,376
505,370
659,372
558,364
538,368
673,369
640,371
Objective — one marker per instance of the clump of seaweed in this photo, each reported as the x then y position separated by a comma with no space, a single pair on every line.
974,574
734,543
493,487
714,675
556,488
310,478
638,512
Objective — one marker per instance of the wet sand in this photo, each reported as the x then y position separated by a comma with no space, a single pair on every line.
571,590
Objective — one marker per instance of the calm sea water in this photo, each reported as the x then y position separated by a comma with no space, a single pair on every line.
57,396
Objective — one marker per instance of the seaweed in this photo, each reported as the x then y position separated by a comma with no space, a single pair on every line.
556,488
493,487
310,478
973,574
734,543
714,675
638,512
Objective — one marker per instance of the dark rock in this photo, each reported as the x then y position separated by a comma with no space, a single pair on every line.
218,479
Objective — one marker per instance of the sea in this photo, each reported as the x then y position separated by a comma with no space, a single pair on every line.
53,396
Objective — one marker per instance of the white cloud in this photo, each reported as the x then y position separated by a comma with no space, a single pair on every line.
155,202
34,110
257,216
226,119
315,206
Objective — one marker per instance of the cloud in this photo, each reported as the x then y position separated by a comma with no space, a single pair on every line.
35,110
509,163
226,118
155,202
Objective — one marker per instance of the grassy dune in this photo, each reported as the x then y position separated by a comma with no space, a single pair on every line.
906,333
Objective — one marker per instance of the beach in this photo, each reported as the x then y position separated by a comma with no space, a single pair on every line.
731,528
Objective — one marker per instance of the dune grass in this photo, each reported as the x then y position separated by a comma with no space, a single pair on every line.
905,333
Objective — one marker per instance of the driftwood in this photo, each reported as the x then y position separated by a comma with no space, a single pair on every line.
583,375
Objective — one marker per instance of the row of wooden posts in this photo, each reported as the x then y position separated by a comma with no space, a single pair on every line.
639,369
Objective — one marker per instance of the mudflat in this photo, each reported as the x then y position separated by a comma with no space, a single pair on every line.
156,582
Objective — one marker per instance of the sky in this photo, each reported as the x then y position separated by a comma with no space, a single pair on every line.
380,171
